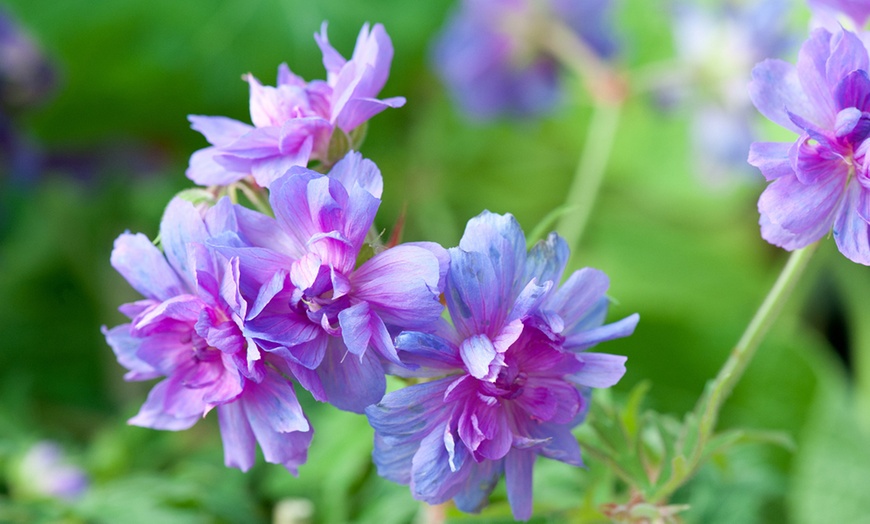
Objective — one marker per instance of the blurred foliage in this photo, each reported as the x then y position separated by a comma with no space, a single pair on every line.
688,257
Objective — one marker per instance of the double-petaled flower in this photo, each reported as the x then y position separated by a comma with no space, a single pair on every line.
294,122
820,182
514,367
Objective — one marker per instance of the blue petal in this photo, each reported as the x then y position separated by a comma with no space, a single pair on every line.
145,268
238,438
351,383
518,480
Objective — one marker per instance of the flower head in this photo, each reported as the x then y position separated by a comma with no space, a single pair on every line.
517,373
294,122
820,181
491,61
188,329
328,315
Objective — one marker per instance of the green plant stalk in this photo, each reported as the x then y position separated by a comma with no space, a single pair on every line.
589,173
757,329
718,390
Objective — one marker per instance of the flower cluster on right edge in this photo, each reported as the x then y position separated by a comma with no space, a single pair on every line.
516,375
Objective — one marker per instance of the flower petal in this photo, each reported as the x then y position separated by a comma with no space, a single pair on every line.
145,268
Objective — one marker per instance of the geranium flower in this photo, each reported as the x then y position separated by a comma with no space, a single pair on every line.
328,315
516,371
820,182
188,329
294,121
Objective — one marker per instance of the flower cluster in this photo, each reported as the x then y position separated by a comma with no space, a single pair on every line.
241,307
295,121
819,182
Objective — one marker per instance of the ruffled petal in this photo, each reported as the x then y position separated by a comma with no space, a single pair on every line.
794,214
500,238
600,370
580,340
125,346
772,158
353,169
547,260
238,438
775,90
851,229
218,130
401,286
350,383
518,480
139,261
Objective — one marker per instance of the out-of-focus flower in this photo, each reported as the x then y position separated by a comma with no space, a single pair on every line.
27,78
326,314
188,329
716,47
26,75
831,14
295,121
517,373
820,181
44,471
493,60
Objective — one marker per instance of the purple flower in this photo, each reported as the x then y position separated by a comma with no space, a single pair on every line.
188,329
326,314
488,57
716,47
820,181
294,121
44,471
516,371
26,75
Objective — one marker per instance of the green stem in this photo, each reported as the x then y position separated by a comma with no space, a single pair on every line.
589,173
742,354
256,198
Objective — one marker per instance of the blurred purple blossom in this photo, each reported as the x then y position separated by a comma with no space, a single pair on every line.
516,371
820,181
27,78
294,122
489,59
716,47
45,471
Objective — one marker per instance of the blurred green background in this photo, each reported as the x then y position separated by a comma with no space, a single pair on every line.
685,255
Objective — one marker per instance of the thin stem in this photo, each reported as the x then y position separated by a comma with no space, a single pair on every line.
602,80
589,173
256,198
758,327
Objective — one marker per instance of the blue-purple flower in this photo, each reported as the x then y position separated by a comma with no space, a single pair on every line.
716,47
820,182
45,471
327,314
294,122
189,330
514,367
491,59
